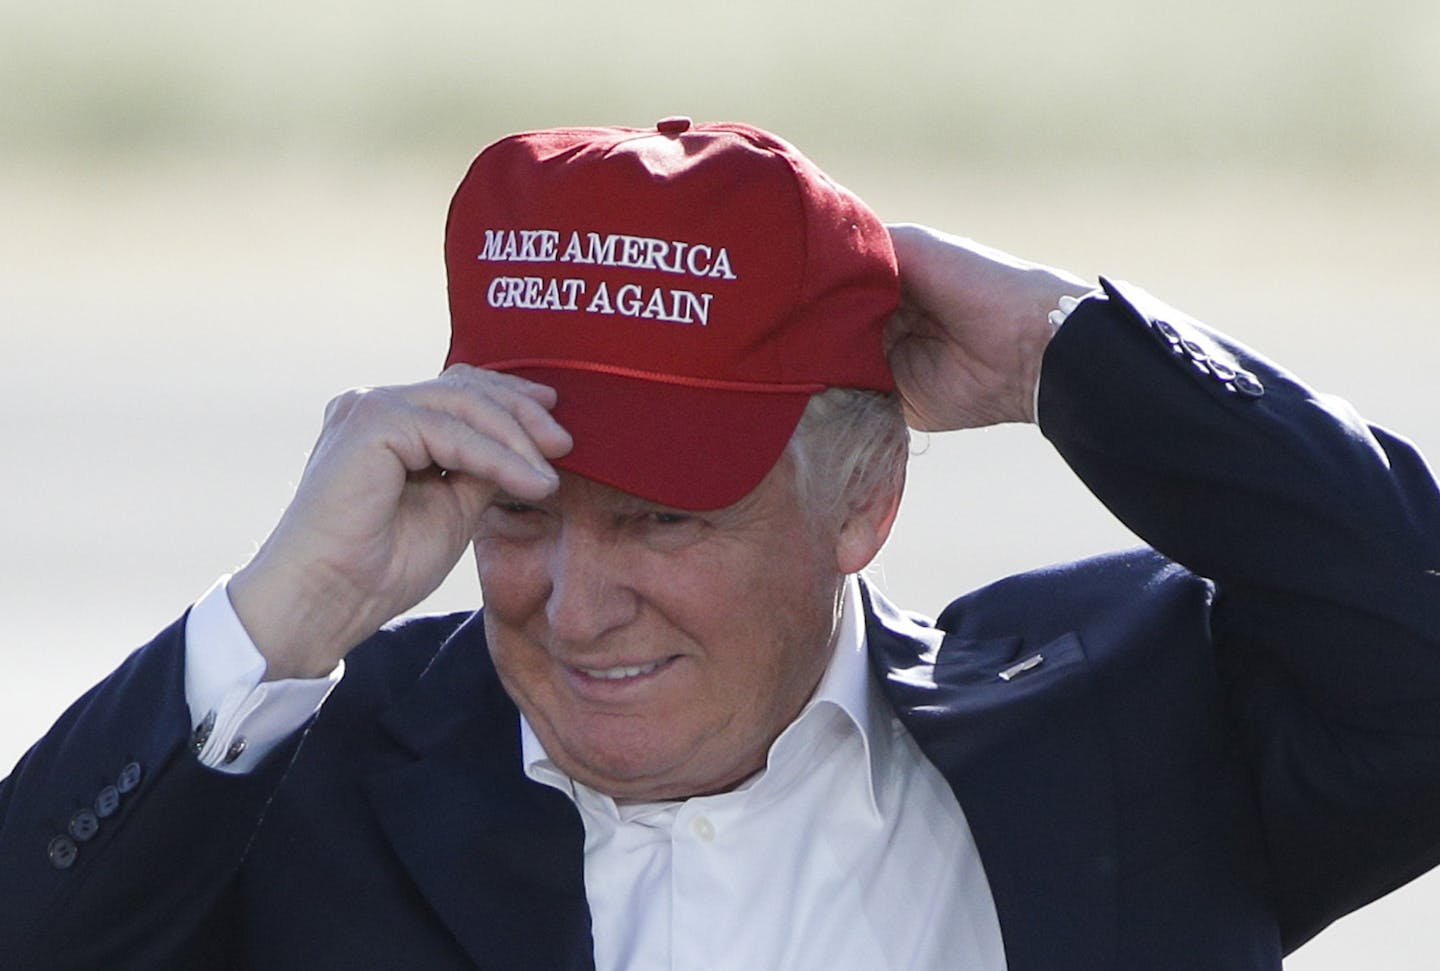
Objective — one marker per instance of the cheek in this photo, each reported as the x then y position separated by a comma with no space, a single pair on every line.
513,583
793,569
513,594
786,615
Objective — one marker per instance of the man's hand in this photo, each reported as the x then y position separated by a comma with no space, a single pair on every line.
966,344
391,495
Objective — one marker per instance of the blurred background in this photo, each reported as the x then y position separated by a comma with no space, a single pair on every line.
214,217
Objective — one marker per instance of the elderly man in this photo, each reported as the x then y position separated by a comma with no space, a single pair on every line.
682,733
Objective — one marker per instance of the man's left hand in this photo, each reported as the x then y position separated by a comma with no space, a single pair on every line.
966,343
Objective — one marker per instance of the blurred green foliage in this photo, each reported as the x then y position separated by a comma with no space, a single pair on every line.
1329,82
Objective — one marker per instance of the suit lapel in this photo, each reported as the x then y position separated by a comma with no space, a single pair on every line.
499,857
1027,758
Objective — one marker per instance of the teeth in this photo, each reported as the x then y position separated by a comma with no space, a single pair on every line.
627,671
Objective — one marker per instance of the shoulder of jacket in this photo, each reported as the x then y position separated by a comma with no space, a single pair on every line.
1061,594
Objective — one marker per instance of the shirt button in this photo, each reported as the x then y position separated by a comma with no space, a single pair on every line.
703,829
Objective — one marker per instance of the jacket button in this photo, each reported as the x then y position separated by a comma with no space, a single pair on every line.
62,852
1221,370
1194,351
1167,330
107,802
84,825
130,777
674,125
1248,385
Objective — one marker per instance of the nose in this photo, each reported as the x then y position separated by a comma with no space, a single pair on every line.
590,594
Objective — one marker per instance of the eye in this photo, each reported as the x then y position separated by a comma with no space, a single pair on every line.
512,520
668,529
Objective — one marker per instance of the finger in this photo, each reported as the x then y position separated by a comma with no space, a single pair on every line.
527,403
498,409
491,426
532,414
443,440
919,250
470,374
908,323
485,441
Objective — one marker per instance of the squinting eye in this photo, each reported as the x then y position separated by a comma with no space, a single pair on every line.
513,520
669,518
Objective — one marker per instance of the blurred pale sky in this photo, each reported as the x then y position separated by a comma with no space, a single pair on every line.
213,218
1325,83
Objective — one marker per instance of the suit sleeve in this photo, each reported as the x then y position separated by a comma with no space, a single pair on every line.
117,848
1321,534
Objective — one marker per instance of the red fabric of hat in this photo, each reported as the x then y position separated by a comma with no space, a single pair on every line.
685,289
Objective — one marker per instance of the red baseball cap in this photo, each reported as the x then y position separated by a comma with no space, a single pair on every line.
685,289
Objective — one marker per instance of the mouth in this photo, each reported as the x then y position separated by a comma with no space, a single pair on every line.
621,674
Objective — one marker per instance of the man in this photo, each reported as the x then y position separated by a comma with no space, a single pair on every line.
681,732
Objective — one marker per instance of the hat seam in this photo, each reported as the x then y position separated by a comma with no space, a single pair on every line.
782,150
713,384
802,286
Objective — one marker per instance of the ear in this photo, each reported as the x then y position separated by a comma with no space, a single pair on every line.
868,526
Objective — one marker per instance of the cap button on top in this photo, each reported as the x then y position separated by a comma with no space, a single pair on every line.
674,125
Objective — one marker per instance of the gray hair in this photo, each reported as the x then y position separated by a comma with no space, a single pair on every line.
849,446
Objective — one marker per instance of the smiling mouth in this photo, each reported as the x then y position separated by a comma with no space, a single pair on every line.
621,672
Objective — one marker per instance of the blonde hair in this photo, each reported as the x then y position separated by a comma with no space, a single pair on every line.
850,445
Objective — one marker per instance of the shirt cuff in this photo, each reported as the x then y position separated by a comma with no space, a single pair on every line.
1063,309
237,718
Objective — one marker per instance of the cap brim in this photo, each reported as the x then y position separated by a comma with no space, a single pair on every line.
681,446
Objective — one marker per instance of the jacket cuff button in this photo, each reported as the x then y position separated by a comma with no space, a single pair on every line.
1248,385
84,825
62,852
107,802
1167,332
129,778
1222,371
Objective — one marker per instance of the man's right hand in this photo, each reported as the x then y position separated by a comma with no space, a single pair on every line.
392,494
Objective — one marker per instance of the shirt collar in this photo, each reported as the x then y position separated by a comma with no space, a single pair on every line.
847,687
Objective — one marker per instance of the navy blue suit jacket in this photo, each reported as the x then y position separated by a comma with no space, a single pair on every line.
1232,739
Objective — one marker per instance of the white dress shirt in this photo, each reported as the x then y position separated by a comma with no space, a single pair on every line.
847,851
238,719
